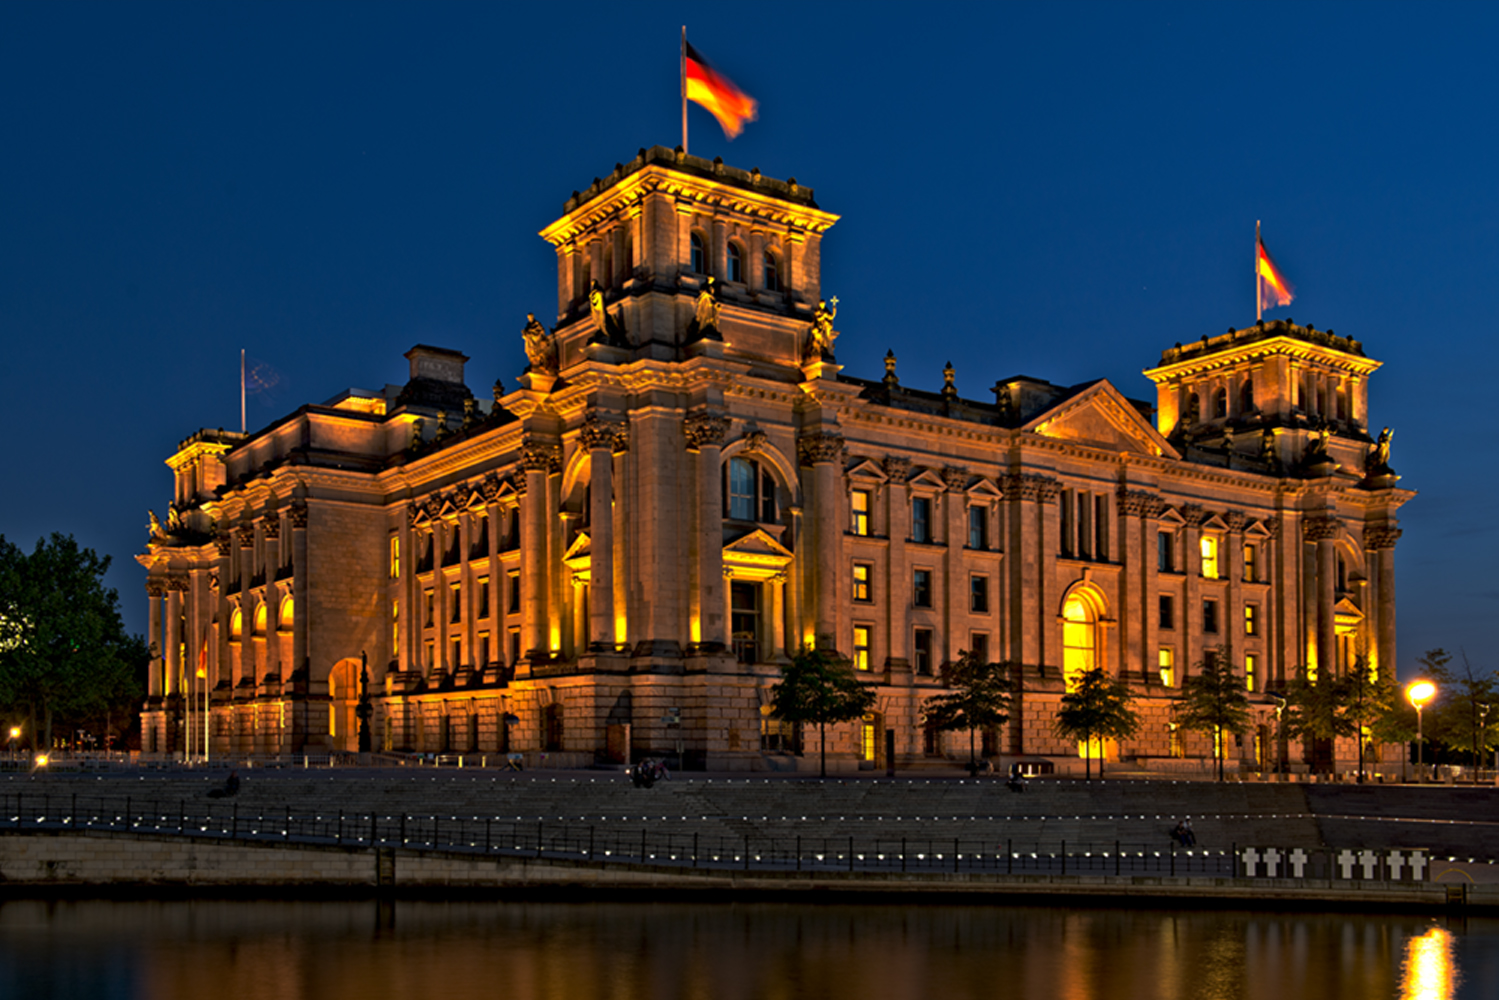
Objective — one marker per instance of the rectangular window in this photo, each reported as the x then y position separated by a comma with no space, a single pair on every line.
1101,527
1165,552
483,659
978,646
455,596
429,606
395,628
1251,563
861,647
455,652
1084,525
1178,744
921,652
431,651
921,588
767,498
870,737
921,519
514,646
1209,546
859,512
1168,611
1210,616
741,489
483,597
1166,662
1251,672
395,557
863,590
978,528
514,578
1251,620
978,594
1069,522
744,620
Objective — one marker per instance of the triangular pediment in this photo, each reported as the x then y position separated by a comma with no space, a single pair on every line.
756,556
1101,417
580,548
1257,529
757,542
1215,523
1346,612
1172,516
867,468
985,487
928,479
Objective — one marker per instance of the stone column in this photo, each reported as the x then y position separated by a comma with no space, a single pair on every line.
598,439
705,432
270,533
537,459
1322,531
823,451
1379,541
1231,563
621,521
1138,594
897,496
248,666
405,653
296,521
173,637
155,679
954,605
219,671
1189,619
777,588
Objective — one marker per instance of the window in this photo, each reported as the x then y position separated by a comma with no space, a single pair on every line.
1078,622
455,654
776,735
869,736
1178,745
236,625
455,597
859,512
921,588
1101,528
1210,616
428,605
483,658
736,263
1251,563
431,660
1068,522
260,616
1220,403
863,591
978,646
921,519
395,627
1246,397
978,594
750,491
772,273
699,256
1251,620
395,557
921,652
483,597
1166,663
744,620
514,607
1251,672
514,646
1167,611
978,528
551,728
286,615
1165,552
1209,546
861,647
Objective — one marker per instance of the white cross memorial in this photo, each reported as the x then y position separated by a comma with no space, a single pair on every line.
1251,859
1418,866
1397,862
1369,862
1272,861
1297,860
1345,863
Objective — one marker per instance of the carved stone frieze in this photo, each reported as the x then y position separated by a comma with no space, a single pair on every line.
1272,525
1320,527
956,479
1236,520
490,488
897,469
820,447
1139,503
518,483
270,528
1194,515
296,515
246,534
705,429
1031,486
413,512
1381,536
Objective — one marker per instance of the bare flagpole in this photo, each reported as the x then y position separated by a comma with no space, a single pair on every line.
682,66
1259,300
241,390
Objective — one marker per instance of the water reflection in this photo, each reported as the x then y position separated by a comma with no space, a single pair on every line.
366,951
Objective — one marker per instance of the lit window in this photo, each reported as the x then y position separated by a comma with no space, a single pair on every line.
978,528
1178,744
1209,546
1250,671
921,588
1077,639
861,647
862,589
772,273
869,741
1251,620
921,652
260,617
395,557
859,512
750,492
699,255
1210,616
736,263
286,617
1167,611
921,519
978,594
236,625
1166,662
1251,563
395,627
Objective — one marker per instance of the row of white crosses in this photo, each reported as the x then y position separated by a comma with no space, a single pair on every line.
1369,863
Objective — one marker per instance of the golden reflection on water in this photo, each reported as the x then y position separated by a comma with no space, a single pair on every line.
219,950
1428,972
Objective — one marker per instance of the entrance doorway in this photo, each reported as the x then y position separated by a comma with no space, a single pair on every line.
343,695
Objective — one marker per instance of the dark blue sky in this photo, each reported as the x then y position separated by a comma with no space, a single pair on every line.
1056,189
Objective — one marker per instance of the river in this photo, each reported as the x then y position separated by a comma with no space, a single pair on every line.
306,950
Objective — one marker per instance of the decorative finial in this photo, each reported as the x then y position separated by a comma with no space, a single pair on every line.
949,391
890,379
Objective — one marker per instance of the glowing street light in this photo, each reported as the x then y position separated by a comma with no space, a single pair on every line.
1419,693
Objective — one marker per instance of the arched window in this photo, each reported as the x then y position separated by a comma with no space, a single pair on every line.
260,616
736,263
1079,625
1246,397
1220,403
236,625
699,255
772,273
749,491
287,615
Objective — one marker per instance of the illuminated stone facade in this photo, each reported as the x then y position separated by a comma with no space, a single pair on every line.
614,558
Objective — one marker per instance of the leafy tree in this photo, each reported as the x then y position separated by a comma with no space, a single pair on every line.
1368,698
1315,709
1213,703
1097,707
65,651
820,688
1462,718
980,697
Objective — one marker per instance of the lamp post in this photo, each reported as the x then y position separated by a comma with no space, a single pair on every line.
1419,693
15,734
1481,738
1280,709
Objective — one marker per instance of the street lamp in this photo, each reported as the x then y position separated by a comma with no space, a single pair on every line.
15,734
1419,693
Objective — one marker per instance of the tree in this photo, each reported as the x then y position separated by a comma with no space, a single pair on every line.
1462,719
65,651
821,688
1097,707
1213,703
980,697
1315,709
1368,698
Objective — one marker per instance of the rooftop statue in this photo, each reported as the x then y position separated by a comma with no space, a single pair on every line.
541,350
1380,457
708,307
823,334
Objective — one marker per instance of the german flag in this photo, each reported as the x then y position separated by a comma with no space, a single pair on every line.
716,92
1273,288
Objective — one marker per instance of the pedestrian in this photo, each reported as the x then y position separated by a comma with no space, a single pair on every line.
1179,833
1187,832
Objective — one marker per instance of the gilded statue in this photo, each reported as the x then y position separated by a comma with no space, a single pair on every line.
1380,458
154,526
596,310
708,307
541,350
823,334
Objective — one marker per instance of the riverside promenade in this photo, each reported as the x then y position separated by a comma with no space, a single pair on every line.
366,829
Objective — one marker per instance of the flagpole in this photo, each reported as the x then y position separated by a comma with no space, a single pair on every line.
241,390
682,68
1259,300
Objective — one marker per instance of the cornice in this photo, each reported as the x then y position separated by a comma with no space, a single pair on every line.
1258,350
